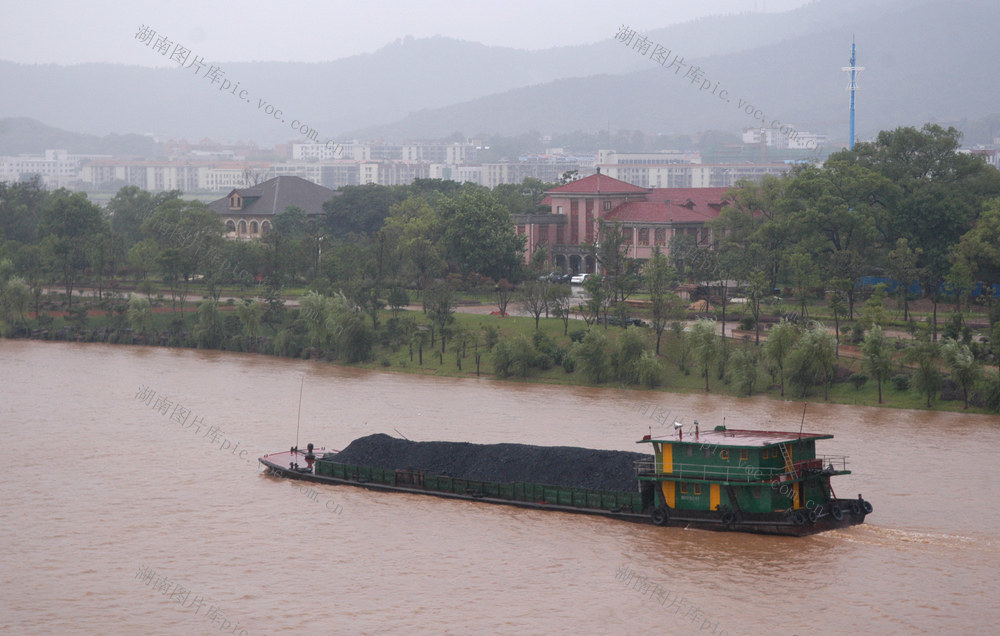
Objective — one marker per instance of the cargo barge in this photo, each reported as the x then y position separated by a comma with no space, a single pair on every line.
726,479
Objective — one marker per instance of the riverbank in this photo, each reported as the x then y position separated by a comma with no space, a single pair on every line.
406,342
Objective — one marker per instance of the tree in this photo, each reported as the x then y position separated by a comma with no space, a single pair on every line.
878,357
780,343
659,276
398,298
208,331
963,366
903,269
936,196
477,235
839,308
251,314
560,300
926,355
705,345
68,222
139,314
14,298
626,355
811,362
590,353
439,299
534,298
131,207
503,291
744,369
20,206
804,276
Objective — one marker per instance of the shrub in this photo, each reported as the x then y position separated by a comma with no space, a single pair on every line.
577,335
901,382
568,365
858,380
747,323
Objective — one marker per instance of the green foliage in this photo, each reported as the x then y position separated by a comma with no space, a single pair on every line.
704,345
139,314
858,380
513,357
810,363
208,331
577,335
592,357
926,355
628,351
877,360
901,382
650,370
780,343
744,370
963,366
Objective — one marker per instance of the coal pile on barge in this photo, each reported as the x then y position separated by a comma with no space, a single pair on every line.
500,463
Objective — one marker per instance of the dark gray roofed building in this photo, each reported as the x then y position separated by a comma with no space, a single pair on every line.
249,212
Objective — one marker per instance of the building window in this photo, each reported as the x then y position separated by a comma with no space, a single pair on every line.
644,236
724,454
235,202
684,489
559,209
697,489
660,236
744,454
607,205
253,227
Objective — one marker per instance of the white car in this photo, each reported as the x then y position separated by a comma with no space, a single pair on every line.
579,279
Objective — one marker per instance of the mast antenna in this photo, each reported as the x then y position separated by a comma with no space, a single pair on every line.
298,419
852,85
802,423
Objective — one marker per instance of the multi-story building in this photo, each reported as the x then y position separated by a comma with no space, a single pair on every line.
669,170
650,218
57,168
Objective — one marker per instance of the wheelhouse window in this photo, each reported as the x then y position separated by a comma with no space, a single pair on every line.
724,454
697,489
744,454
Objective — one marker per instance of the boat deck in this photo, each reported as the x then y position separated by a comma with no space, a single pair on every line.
285,459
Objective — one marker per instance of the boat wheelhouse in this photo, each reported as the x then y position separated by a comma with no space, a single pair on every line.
747,480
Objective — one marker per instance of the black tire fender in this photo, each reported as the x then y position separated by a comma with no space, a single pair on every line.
728,518
813,515
660,516
798,518
837,513
855,508
867,507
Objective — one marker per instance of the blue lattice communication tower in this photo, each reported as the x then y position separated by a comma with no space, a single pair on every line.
852,85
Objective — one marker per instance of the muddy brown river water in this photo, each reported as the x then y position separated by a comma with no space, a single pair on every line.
133,504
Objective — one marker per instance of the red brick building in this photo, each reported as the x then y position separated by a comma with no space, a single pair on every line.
649,216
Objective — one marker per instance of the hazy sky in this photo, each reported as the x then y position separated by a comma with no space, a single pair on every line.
71,32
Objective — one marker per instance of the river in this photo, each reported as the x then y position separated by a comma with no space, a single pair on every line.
134,503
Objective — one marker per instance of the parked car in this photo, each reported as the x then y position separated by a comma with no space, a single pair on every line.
579,279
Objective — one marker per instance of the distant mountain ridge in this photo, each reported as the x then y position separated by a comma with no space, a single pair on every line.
786,64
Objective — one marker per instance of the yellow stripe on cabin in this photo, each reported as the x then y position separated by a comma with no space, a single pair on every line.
668,459
713,497
669,489
797,496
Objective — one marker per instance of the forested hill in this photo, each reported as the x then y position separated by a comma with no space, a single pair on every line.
926,60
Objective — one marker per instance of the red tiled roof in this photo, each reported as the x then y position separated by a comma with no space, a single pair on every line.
598,184
677,205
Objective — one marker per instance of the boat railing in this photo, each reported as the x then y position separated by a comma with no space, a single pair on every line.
649,467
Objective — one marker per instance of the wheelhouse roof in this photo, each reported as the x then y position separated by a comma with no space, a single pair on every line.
738,437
